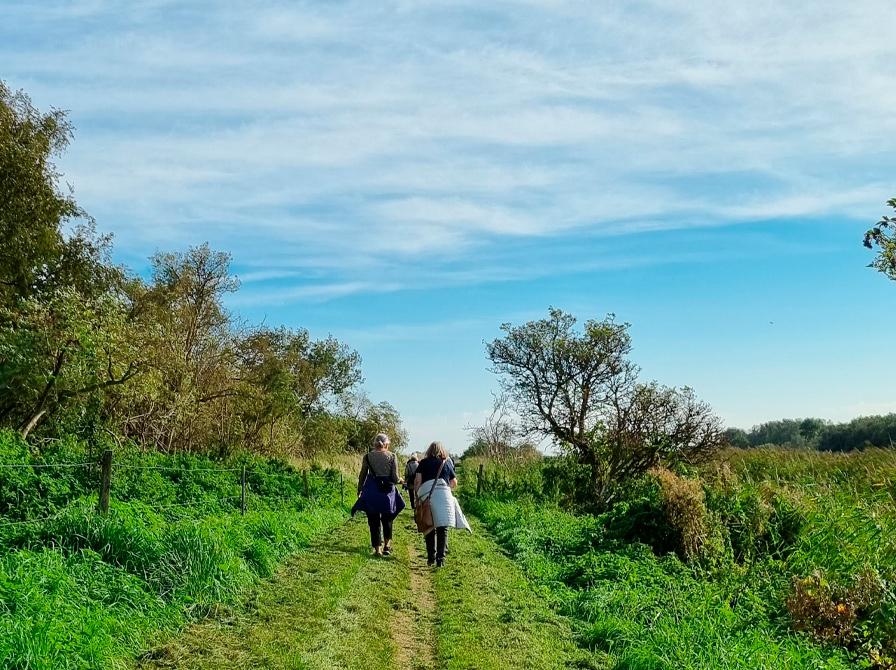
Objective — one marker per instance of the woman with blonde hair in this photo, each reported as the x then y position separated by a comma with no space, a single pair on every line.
435,480
378,495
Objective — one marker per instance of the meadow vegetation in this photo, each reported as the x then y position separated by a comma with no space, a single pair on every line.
89,591
764,558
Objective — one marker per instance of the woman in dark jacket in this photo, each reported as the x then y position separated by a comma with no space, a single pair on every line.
378,495
434,481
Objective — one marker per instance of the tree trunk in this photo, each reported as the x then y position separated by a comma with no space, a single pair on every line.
41,409
32,422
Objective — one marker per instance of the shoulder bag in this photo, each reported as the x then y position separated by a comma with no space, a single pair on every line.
423,510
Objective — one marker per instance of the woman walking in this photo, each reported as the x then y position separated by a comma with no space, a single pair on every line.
378,495
434,482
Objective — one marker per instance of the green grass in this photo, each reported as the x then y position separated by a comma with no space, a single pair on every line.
327,607
335,606
492,618
79,590
649,612
792,563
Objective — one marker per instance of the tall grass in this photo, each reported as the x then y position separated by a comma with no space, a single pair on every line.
651,612
81,590
766,554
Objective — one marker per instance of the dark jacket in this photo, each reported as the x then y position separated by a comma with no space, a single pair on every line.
377,490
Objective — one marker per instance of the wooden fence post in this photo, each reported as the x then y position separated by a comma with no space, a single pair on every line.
243,491
105,481
479,477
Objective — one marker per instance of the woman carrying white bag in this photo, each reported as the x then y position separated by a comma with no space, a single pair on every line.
434,482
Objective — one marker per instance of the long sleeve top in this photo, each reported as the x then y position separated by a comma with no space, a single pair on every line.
379,463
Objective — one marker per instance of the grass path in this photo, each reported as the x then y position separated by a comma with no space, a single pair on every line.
492,618
335,606
414,625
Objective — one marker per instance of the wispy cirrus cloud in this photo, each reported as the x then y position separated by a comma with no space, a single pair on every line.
320,142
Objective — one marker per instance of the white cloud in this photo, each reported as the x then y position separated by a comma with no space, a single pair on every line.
332,140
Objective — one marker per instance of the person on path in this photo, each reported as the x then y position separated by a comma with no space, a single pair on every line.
410,472
434,481
378,495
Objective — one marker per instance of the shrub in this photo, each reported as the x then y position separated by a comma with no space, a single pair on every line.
647,610
838,614
685,511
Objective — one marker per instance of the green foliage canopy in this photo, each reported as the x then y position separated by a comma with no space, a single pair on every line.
883,237
86,348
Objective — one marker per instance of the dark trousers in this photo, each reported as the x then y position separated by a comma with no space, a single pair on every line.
435,544
375,520
412,494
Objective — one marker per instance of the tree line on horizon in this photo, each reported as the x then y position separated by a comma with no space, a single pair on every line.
863,432
88,348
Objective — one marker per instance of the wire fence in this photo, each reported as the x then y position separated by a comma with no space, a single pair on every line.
172,468
14,466
240,500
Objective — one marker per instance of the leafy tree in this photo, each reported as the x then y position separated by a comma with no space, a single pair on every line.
60,349
811,429
578,387
860,433
289,381
35,254
784,432
62,310
883,237
188,341
369,419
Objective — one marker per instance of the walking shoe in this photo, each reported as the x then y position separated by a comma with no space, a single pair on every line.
377,551
440,564
387,549
430,562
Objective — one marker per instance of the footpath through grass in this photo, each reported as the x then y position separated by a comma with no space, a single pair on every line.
335,606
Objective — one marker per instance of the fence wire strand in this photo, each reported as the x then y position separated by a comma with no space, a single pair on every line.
170,468
236,501
47,465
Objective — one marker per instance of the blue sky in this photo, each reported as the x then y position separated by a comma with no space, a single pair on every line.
409,175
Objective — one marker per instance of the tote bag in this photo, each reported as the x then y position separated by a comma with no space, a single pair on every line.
423,510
